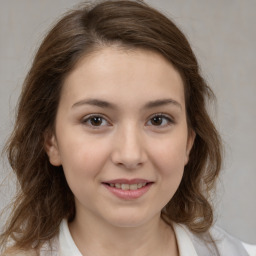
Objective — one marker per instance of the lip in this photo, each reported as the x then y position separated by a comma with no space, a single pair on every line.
128,194
127,181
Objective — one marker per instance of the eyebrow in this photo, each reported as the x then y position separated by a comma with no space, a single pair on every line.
94,102
162,102
105,104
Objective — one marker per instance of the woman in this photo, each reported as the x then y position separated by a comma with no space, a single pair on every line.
113,147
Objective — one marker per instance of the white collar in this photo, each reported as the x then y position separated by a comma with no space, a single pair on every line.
68,247
185,245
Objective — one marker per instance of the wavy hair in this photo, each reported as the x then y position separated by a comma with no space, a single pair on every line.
44,198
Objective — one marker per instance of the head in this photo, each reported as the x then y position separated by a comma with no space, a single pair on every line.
126,26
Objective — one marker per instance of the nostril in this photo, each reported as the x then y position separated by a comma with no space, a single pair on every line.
128,156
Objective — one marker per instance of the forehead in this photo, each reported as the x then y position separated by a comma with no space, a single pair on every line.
126,75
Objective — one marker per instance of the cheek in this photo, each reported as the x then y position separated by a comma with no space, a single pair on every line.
169,159
170,153
83,159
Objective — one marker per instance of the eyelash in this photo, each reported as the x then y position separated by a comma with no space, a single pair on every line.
169,120
88,119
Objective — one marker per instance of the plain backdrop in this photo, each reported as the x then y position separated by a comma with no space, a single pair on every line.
223,36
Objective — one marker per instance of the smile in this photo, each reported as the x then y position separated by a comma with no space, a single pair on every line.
128,186
128,189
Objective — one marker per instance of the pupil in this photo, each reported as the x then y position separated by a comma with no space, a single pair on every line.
96,121
157,120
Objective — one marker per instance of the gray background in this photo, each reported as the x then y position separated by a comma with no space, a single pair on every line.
222,34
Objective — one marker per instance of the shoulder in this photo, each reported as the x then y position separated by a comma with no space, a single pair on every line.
230,244
250,248
214,242
49,248
13,252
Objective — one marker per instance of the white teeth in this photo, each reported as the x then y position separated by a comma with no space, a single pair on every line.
139,185
127,186
124,186
117,185
133,186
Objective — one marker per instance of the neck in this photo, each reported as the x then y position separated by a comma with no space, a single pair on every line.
153,238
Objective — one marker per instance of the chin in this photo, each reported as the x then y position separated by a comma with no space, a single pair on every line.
130,220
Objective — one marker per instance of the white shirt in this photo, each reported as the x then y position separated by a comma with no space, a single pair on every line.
186,247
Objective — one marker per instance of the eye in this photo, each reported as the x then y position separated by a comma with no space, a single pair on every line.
95,121
160,120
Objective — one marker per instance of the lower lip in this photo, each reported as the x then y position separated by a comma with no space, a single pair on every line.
128,194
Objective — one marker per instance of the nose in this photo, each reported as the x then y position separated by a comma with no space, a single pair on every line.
129,149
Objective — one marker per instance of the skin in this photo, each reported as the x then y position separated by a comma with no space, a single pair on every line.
125,142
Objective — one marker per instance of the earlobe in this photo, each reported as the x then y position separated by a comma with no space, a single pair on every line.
51,148
190,143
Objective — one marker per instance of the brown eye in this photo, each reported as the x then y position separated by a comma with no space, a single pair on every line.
160,120
95,121
157,120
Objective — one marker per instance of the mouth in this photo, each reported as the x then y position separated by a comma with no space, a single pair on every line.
128,189
125,186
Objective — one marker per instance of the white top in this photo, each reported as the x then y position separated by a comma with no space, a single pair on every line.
67,245
186,247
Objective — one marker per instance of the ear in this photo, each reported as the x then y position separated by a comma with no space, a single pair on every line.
190,143
51,148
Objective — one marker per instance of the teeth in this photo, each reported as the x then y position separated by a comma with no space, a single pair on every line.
133,186
127,186
139,185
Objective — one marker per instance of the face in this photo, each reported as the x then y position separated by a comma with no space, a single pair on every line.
121,135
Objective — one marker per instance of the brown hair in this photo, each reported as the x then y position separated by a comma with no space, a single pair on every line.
44,197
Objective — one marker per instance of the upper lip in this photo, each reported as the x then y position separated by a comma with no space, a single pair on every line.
127,181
